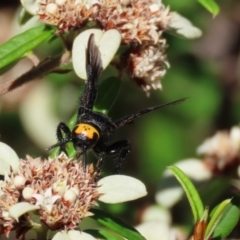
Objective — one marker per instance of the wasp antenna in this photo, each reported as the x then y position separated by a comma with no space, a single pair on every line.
127,119
93,60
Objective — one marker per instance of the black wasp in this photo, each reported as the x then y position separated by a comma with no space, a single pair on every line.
95,130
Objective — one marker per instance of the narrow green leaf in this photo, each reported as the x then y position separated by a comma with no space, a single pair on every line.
191,192
18,46
104,234
116,225
71,124
211,6
107,94
224,218
216,216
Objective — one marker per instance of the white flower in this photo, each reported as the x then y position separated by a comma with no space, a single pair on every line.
222,149
72,235
61,191
46,200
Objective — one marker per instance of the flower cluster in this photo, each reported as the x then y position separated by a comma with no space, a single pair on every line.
222,151
147,65
60,191
56,193
220,156
140,23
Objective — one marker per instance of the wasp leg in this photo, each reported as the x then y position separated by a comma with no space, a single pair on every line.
62,127
99,166
100,163
119,150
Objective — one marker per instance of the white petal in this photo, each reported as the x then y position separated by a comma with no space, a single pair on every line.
120,188
31,6
72,235
79,50
193,168
48,193
61,236
108,43
169,196
235,136
156,213
21,208
183,27
8,157
154,230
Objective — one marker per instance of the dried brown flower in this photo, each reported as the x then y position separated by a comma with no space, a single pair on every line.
138,21
148,65
222,151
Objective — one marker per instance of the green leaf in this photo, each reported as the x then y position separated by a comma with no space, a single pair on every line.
103,234
216,216
108,91
14,49
191,192
211,6
116,225
224,218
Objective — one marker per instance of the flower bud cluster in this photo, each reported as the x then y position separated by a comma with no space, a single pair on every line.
59,191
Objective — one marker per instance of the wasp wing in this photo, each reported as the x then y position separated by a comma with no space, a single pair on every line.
93,69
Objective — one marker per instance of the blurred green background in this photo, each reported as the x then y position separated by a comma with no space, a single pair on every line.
206,70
